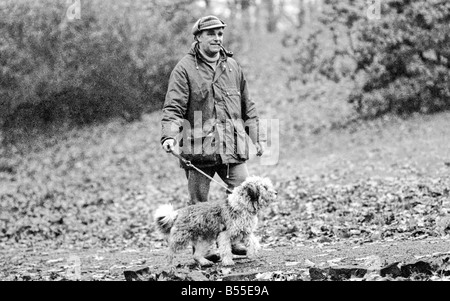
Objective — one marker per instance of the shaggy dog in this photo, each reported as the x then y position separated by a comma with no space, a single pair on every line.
226,222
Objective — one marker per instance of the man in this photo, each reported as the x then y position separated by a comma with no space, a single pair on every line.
207,104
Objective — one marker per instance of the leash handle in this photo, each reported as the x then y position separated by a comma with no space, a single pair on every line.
189,164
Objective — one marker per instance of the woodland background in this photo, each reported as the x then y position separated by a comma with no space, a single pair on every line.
79,62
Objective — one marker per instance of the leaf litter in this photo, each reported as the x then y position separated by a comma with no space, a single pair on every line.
71,197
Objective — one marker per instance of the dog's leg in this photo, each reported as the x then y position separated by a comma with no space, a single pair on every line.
170,257
200,250
225,248
171,252
253,245
174,245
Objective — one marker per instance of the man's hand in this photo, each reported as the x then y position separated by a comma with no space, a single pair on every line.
169,145
260,147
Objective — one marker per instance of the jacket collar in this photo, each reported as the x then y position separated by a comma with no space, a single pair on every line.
224,53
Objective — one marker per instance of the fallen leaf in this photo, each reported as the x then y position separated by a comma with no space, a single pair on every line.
264,276
52,261
333,262
309,263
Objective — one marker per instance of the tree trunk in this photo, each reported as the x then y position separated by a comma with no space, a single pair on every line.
245,14
271,17
257,23
232,6
301,13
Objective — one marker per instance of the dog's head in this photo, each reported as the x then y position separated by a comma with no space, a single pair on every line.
253,194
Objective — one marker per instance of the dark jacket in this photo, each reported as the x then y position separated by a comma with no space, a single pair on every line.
209,112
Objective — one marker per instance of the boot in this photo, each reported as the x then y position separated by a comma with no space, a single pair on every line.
238,249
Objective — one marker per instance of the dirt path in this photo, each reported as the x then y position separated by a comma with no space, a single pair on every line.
282,261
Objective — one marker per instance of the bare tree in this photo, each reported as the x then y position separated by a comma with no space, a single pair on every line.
271,24
309,11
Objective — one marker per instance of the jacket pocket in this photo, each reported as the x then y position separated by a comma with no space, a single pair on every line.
233,102
200,150
232,91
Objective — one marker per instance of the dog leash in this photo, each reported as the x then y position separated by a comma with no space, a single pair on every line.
189,164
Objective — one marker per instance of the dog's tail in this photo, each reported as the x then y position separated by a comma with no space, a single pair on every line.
165,216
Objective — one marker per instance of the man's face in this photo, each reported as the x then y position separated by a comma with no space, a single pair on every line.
210,41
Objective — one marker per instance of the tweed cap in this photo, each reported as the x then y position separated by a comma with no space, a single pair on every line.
208,22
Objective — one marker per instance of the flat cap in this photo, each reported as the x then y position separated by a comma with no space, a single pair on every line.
208,22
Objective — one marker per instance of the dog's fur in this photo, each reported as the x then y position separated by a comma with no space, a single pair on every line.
226,222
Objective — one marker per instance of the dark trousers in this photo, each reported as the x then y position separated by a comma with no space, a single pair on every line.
198,185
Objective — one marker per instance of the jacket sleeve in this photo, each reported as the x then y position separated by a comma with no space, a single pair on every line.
175,104
250,114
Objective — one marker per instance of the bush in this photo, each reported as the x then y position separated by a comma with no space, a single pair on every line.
114,60
398,63
406,59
